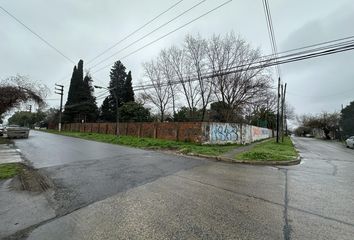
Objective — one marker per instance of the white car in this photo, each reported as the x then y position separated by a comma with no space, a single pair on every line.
350,142
15,131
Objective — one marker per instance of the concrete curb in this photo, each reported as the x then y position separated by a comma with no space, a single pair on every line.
265,163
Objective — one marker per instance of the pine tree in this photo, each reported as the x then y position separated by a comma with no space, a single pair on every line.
118,77
128,89
109,107
121,86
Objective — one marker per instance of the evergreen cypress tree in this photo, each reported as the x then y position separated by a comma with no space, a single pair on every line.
70,110
73,84
128,89
81,104
89,108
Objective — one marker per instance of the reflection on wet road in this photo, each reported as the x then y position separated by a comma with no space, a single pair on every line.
112,192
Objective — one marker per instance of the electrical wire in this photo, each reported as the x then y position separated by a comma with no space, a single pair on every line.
269,58
271,33
135,31
36,34
270,62
149,33
165,35
322,96
257,65
126,37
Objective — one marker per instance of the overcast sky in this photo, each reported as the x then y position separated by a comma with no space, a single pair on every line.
81,29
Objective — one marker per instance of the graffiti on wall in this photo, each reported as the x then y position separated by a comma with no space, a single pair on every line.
259,133
224,132
246,134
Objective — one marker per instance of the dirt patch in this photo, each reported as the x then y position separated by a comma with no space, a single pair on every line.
29,179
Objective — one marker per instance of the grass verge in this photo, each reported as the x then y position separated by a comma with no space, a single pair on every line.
9,170
151,143
270,151
4,140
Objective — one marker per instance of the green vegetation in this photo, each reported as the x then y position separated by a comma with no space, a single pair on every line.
9,170
81,104
25,118
4,140
346,121
150,143
270,151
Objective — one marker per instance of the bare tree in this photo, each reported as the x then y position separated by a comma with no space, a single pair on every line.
184,77
196,57
241,87
221,68
289,112
165,64
19,89
328,122
159,94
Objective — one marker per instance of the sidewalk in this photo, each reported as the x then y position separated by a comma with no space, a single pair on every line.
231,154
9,154
20,208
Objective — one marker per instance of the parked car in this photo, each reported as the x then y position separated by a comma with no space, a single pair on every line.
350,142
15,131
1,130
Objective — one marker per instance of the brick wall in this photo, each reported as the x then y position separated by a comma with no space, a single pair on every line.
199,132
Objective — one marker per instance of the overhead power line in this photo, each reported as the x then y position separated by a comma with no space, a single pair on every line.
149,33
265,61
165,35
135,31
275,51
272,60
37,35
85,102
126,37
270,29
323,96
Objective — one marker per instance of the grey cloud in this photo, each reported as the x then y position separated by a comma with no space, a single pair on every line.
81,29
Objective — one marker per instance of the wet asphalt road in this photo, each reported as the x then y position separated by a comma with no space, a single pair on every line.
111,192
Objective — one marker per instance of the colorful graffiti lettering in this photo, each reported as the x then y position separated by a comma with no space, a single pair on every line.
224,132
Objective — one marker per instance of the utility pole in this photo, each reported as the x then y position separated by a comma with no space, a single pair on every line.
60,89
278,117
30,108
283,111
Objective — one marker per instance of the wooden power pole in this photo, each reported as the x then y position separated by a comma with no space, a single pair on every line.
283,114
60,89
